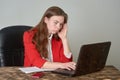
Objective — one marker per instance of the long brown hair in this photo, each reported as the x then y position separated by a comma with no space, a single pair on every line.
40,38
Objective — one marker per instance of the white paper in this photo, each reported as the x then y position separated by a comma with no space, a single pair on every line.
33,69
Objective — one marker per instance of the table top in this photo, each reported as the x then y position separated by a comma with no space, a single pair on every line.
13,73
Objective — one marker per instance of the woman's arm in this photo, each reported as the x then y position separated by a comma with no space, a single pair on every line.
67,51
32,56
55,65
63,36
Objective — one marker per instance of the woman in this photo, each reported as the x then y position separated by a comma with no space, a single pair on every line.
46,45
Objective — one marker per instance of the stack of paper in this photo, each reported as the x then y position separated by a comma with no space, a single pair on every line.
34,69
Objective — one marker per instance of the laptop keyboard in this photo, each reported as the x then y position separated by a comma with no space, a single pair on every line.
64,71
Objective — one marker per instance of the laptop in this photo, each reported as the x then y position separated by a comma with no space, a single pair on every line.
92,58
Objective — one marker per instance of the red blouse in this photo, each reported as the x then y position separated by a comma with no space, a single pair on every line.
33,57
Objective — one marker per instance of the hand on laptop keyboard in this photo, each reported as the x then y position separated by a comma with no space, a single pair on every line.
69,66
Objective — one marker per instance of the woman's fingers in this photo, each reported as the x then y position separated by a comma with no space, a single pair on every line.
70,65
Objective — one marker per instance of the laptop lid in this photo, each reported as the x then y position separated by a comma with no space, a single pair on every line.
92,58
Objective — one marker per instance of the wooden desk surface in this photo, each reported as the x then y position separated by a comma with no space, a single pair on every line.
13,73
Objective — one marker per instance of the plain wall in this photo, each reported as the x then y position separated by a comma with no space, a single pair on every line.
90,21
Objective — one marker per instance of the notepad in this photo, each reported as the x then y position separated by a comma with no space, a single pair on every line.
34,69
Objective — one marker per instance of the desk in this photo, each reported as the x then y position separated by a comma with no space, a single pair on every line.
13,73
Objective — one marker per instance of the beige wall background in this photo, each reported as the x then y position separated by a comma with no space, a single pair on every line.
89,21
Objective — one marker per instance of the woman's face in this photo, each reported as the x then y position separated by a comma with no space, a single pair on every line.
54,24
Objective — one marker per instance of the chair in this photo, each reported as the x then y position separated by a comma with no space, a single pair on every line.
11,45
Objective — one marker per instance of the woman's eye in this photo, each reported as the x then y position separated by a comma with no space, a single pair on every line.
61,24
55,22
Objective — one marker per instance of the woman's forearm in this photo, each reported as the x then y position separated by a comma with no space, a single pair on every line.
67,51
56,65
51,65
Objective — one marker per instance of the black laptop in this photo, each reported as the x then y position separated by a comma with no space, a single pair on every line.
92,58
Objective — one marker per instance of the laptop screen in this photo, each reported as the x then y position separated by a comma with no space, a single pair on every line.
92,57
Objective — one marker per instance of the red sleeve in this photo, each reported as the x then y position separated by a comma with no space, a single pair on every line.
63,58
32,56
58,52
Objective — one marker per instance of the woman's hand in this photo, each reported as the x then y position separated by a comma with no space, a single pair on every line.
68,65
56,65
63,33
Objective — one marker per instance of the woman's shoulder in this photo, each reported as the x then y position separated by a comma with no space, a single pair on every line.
30,33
